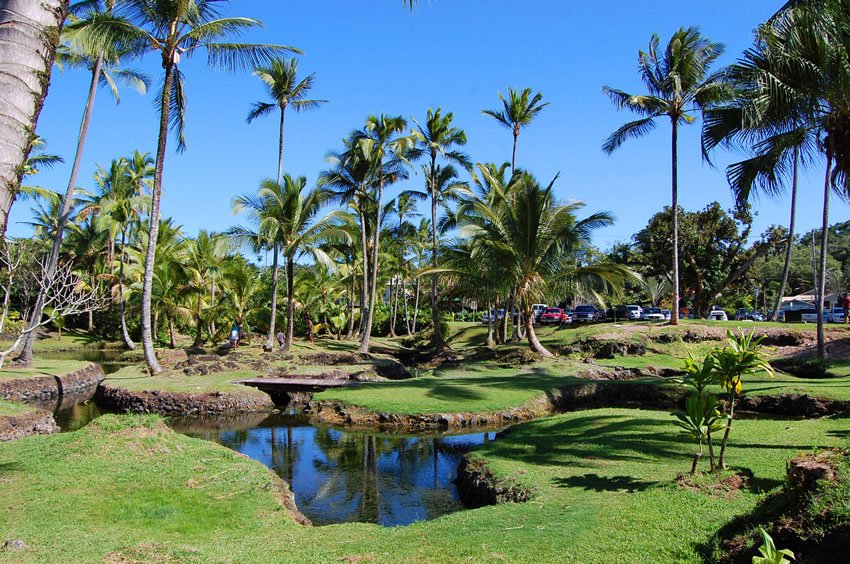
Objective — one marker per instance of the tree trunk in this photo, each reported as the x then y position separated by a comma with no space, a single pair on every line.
406,306
199,333
711,460
171,343
697,457
394,307
823,243
350,333
269,344
504,322
150,255
122,305
787,268
280,146
513,153
290,302
437,340
674,314
25,358
490,340
29,34
212,306
364,248
731,415
533,343
416,305
373,290
91,312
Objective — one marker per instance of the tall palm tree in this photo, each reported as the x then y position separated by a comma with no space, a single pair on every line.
518,110
284,88
29,35
202,261
387,151
677,81
174,30
436,139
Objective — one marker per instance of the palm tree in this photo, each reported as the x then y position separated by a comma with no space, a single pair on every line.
437,139
280,78
676,80
174,30
518,110
532,240
29,35
386,149
202,261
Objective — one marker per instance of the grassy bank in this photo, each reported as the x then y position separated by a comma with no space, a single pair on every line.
42,367
136,378
126,488
12,408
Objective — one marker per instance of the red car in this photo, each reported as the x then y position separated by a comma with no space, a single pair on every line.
555,315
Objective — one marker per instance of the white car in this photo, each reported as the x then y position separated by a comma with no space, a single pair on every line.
536,310
837,315
717,314
634,312
652,314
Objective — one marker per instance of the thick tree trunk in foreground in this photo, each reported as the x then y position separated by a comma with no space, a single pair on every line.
533,343
29,34
150,254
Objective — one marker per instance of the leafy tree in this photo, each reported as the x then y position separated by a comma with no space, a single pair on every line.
676,80
518,110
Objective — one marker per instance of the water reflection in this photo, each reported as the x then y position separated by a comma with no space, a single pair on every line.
340,476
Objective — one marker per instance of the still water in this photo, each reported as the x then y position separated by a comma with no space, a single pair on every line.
340,476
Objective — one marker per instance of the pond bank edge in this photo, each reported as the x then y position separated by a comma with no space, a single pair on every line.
181,403
48,387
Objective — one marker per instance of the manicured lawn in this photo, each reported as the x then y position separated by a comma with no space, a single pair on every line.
476,388
42,367
137,378
11,408
125,488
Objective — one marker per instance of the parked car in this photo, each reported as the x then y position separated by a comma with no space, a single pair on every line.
554,316
717,314
652,314
634,312
744,314
496,315
536,310
666,313
809,315
585,314
837,315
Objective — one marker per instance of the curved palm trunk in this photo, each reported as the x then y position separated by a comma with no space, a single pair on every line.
787,268
373,282
533,343
823,244
674,314
438,340
25,358
29,34
290,303
122,305
269,344
150,254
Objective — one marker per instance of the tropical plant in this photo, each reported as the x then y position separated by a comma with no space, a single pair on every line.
656,288
676,81
201,261
436,139
770,554
29,35
701,416
518,110
743,355
281,80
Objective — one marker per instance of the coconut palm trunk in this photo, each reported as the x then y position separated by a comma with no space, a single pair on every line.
150,254
25,358
171,343
373,287
674,314
122,305
280,145
533,342
823,244
416,305
438,340
513,152
290,303
269,344
364,287
786,269
29,34
491,342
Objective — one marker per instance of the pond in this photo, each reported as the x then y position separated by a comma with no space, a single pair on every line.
336,475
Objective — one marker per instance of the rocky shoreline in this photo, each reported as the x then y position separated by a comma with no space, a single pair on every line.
178,403
33,423
48,387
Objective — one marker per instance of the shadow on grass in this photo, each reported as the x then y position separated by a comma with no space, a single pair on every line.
597,483
448,392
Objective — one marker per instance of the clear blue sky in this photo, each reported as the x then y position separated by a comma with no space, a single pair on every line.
372,56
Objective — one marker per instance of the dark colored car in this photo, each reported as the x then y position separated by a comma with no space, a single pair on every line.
585,314
553,316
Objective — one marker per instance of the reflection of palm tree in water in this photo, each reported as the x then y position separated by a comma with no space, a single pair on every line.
283,460
370,499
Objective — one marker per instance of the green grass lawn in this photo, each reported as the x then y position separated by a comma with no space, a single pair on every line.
11,408
42,367
125,488
477,388
137,378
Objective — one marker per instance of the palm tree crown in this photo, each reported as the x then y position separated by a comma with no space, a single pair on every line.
518,110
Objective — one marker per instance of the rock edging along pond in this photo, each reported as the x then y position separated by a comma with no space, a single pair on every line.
47,387
568,398
181,403
478,486
32,423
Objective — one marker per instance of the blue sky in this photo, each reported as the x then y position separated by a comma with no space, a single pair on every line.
372,56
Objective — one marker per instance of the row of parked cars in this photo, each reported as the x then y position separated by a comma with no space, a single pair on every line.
547,315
